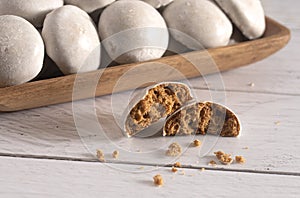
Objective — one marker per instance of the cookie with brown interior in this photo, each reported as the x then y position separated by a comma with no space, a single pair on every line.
203,118
159,102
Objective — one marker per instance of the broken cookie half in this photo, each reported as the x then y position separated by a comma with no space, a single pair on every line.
159,102
202,118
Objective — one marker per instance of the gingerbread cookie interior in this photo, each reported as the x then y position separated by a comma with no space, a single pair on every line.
159,102
203,118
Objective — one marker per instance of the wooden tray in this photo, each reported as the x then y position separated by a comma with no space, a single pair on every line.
59,90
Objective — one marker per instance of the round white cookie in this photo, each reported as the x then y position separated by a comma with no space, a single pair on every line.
133,31
34,11
71,40
89,5
247,15
21,51
198,23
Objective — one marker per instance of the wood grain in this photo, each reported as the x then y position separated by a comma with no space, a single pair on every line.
270,116
48,178
60,90
278,74
270,131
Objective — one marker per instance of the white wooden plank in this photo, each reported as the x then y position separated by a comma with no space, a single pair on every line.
46,178
285,11
50,132
279,73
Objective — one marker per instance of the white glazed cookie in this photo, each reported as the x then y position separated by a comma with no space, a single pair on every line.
247,15
34,11
198,23
89,5
71,40
133,31
21,51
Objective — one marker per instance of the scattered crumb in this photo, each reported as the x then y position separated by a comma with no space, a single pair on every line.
197,143
174,170
277,123
141,168
203,169
240,159
100,155
251,84
115,154
101,159
212,163
158,180
177,164
182,172
224,158
174,150
246,147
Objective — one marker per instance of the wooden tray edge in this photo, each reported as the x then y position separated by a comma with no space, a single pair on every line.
60,89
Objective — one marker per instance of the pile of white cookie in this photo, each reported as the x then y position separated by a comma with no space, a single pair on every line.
129,31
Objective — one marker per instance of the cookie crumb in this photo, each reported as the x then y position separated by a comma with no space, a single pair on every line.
141,168
240,159
174,150
224,158
251,84
197,143
100,155
277,123
212,163
177,164
174,170
158,180
246,147
115,154
182,172
202,169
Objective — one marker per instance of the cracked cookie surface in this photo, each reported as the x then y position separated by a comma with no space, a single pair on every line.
203,118
159,102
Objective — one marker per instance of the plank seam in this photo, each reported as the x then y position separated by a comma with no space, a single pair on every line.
252,92
56,158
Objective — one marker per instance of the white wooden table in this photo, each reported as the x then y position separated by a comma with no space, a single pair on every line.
42,155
